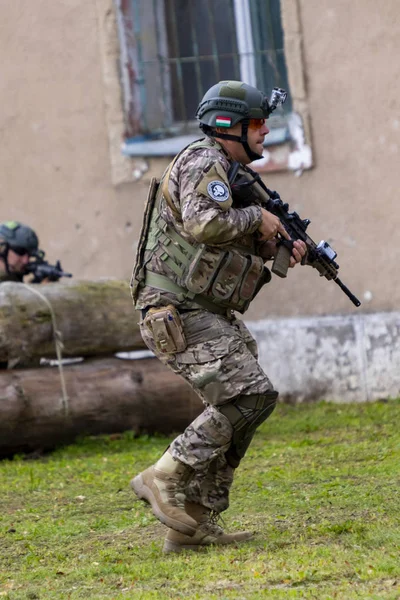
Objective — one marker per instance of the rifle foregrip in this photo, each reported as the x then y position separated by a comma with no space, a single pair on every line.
281,261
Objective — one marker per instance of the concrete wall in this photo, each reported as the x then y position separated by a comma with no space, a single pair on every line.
343,358
61,126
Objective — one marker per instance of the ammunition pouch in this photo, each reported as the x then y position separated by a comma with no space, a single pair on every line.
227,278
245,414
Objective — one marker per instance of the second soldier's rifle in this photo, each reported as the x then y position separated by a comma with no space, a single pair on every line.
41,270
247,184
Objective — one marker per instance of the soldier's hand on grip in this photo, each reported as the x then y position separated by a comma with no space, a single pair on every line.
271,226
299,250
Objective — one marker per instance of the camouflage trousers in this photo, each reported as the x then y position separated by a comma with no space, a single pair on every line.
220,363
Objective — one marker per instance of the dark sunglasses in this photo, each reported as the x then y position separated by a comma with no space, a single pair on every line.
19,250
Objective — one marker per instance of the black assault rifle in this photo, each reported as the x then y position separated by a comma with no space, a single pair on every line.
41,269
247,184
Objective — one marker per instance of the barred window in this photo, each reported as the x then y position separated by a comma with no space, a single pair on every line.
172,51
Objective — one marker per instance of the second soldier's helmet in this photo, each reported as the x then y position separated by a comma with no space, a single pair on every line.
19,237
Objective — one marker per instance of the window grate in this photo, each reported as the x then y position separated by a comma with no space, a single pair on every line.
172,51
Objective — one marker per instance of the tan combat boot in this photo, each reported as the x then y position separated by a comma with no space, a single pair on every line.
208,532
161,486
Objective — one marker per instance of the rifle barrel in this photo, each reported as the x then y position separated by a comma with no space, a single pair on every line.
348,293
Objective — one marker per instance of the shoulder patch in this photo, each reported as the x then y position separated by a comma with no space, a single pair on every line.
214,185
217,190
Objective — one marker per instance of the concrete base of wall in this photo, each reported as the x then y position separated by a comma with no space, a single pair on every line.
342,359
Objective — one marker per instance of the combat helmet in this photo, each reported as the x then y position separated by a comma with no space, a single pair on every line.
17,237
229,102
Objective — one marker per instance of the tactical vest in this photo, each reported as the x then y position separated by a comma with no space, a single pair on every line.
214,278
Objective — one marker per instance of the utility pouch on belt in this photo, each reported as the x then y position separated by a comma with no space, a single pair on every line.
165,326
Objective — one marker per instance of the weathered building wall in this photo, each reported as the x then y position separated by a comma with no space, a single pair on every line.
54,154
353,94
61,127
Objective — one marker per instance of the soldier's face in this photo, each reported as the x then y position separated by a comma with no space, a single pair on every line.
256,134
17,262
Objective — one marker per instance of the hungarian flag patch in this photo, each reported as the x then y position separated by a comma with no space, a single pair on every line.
223,121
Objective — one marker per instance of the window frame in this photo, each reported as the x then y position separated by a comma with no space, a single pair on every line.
140,143
286,153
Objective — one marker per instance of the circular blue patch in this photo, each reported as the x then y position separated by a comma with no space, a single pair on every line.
218,190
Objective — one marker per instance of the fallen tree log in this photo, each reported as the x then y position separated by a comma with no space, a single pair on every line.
103,396
94,318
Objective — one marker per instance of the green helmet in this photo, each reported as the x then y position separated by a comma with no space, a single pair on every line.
229,102
17,236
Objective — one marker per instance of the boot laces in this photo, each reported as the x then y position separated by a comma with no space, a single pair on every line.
215,523
176,496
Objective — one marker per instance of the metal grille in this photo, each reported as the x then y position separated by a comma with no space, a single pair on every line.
174,50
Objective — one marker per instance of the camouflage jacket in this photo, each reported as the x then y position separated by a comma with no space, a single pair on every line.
203,214
10,277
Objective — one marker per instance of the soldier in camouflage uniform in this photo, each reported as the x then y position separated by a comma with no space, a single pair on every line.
201,257
18,243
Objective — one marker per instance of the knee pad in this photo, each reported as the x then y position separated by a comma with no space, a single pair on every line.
245,414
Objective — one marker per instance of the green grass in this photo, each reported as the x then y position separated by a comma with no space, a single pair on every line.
319,485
